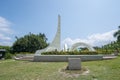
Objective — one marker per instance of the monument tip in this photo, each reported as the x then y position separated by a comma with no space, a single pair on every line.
58,15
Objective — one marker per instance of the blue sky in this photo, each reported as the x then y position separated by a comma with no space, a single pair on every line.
90,21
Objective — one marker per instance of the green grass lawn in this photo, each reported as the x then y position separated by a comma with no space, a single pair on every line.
25,70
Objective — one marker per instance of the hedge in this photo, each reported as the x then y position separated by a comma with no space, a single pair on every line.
69,53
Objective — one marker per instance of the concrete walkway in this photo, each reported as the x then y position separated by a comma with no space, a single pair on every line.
106,57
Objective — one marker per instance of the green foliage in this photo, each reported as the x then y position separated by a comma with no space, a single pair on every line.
7,48
8,56
110,48
117,34
69,53
30,43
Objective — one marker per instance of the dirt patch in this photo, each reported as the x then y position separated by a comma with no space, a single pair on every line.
73,73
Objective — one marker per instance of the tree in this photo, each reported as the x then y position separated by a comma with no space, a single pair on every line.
30,43
7,48
117,34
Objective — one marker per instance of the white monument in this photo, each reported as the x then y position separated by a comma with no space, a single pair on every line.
65,47
56,44
75,45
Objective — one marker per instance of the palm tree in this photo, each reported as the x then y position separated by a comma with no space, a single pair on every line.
117,34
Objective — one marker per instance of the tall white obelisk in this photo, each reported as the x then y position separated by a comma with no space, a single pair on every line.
56,43
57,39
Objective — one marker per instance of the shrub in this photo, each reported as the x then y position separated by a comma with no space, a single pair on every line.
8,56
69,53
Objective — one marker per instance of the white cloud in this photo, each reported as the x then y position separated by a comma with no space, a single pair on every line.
3,37
94,40
5,31
5,25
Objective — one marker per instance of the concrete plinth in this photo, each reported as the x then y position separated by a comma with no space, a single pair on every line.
74,63
64,58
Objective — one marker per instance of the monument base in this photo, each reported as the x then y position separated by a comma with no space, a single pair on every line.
64,58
